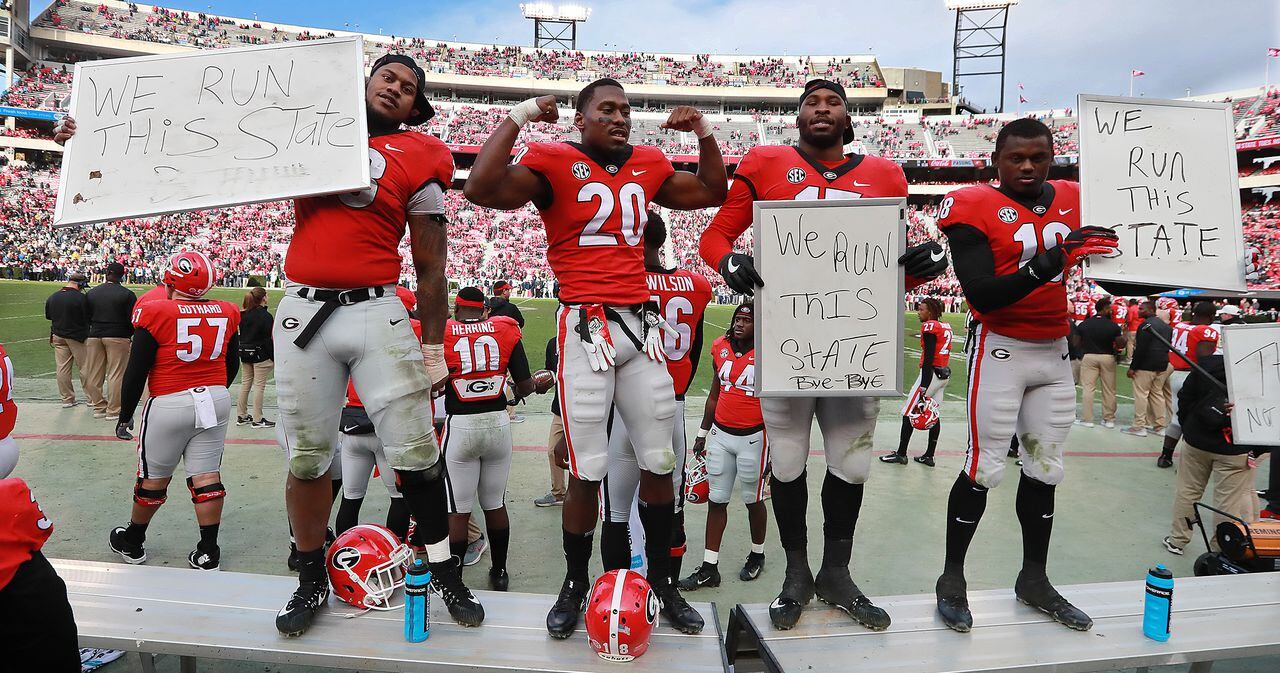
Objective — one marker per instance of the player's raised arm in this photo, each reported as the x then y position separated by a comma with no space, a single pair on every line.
716,243
494,181
427,244
707,188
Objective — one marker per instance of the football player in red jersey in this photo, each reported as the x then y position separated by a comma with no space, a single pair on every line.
1191,341
480,350
36,619
594,197
682,297
8,416
180,353
1011,247
935,371
732,441
1081,306
815,169
342,266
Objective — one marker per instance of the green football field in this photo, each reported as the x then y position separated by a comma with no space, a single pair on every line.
25,334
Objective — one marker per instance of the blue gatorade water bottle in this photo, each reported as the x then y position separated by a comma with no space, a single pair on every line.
1159,605
417,603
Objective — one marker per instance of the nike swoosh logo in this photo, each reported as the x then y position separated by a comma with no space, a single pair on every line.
1065,356
397,322
346,428
959,520
393,149
1046,516
860,184
635,172
733,268
937,256
776,604
1064,212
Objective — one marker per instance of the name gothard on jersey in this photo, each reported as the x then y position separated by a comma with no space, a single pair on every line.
595,218
192,336
1017,232
682,297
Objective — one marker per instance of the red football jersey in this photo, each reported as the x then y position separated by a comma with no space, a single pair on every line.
784,173
596,217
738,406
353,400
1135,319
1016,233
193,337
352,240
1081,309
477,353
8,408
157,292
682,296
942,330
23,527
1120,315
1186,338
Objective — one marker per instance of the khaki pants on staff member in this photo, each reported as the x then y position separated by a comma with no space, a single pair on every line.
557,472
66,352
1092,368
253,378
1149,402
1128,347
106,360
1232,488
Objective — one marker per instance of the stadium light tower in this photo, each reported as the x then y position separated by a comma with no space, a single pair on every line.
555,26
979,40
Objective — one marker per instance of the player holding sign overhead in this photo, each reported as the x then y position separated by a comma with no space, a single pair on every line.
816,169
184,351
594,197
1011,246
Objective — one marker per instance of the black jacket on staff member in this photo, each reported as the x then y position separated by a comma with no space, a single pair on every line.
68,310
255,336
1151,354
111,310
1206,424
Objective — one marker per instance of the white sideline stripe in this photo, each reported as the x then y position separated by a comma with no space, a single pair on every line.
15,317
27,341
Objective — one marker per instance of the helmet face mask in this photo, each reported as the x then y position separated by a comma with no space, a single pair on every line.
697,488
925,414
366,565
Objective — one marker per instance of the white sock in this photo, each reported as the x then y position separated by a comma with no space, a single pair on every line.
757,548
712,557
438,552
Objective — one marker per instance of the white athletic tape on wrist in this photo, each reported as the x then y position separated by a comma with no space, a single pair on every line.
702,128
433,356
525,112
702,433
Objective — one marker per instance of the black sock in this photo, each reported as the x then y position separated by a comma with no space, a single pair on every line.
905,439
965,506
458,549
348,514
397,518
577,554
615,545
208,537
657,520
336,484
933,439
135,533
311,566
425,499
790,504
1035,513
841,503
499,542
679,543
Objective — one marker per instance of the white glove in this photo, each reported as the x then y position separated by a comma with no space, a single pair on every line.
593,328
655,325
433,356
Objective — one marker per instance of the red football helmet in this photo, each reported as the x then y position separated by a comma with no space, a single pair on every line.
621,613
925,413
190,273
407,297
366,565
697,489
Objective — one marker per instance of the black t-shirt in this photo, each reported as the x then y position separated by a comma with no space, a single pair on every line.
1149,353
501,306
111,311
1098,335
68,310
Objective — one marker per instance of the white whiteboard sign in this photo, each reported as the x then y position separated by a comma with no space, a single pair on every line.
829,317
1252,355
1162,173
163,134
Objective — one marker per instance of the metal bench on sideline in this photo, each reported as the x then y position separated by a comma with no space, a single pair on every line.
193,614
1215,618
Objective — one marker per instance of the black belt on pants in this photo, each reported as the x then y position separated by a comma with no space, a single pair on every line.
332,300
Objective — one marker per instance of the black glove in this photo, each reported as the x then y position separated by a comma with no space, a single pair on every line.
739,273
123,428
925,261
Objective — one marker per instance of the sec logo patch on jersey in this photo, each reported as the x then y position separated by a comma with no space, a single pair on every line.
581,170
796,175
1007,215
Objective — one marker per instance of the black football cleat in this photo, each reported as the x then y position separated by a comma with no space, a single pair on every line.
680,615
797,591
752,568
499,580
927,461
133,554
894,457
953,603
201,559
707,575
1164,461
563,618
1035,590
296,616
446,582
835,587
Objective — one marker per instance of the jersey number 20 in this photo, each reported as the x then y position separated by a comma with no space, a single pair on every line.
634,213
